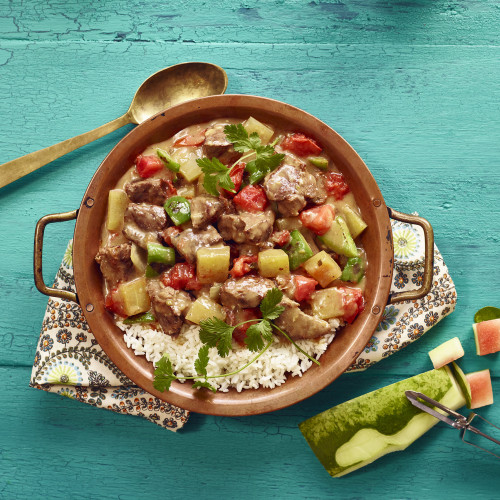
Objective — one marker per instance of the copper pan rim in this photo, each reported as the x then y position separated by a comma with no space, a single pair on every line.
377,240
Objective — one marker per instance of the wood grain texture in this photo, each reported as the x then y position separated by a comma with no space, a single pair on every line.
413,86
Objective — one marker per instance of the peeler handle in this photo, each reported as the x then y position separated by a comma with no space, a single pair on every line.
468,427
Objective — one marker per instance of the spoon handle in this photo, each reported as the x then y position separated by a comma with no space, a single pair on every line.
15,169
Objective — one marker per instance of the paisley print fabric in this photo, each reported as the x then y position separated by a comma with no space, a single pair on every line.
70,362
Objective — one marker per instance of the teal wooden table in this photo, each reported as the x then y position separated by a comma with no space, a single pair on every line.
413,86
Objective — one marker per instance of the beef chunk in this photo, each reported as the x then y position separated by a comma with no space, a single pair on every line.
246,227
139,236
205,210
115,263
286,284
154,191
142,223
188,242
244,292
146,216
291,187
300,325
169,306
216,145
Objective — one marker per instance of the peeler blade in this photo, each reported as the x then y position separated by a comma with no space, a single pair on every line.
417,399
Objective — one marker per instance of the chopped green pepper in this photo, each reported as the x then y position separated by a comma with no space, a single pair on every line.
178,209
169,163
319,161
146,317
160,254
354,270
151,272
298,250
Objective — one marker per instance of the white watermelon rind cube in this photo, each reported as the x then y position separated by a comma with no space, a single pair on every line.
447,352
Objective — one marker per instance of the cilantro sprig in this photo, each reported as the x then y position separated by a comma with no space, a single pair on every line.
215,333
266,159
216,175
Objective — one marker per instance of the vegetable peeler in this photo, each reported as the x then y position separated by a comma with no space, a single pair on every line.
451,417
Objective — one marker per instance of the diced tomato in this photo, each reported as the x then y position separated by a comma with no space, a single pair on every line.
301,145
190,140
169,233
252,198
280,238
304,287
353,303
336,185
113,303
318,219
240,333
243,265
236,175
148,165
182,276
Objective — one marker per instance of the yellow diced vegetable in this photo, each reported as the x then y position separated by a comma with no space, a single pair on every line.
322,268
204,308
117,204
212,264
327,303
252,125
354,222
134,296
139,258
273,262
190,169
214,292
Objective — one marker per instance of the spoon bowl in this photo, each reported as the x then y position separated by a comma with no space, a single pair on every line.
186,81
165,88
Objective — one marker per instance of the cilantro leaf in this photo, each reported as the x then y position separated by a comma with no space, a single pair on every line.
198,384
266,159
216,333
164,374
240,139
266,330
253,339
261,166
269,305
257,333
216,175
201,362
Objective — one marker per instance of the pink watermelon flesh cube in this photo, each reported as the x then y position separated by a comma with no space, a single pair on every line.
446,353
487,335
480,388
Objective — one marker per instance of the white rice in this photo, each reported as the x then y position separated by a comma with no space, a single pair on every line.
269,370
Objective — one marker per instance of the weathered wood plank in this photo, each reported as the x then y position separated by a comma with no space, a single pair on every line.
274,21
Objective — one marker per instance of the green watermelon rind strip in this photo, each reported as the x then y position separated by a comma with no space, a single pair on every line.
386,413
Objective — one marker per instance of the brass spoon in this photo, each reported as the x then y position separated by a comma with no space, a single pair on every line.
160,91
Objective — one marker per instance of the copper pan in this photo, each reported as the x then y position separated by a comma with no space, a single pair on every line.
376,239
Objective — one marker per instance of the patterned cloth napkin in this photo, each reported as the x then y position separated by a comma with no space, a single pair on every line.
70,362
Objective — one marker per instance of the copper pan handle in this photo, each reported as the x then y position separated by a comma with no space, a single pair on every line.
37,257
429,257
